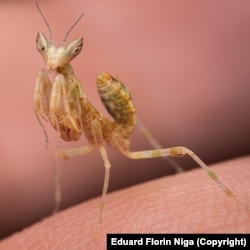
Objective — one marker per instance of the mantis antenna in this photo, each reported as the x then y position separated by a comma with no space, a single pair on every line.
45,20
71,28
50,31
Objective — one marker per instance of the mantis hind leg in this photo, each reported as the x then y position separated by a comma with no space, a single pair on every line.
180,152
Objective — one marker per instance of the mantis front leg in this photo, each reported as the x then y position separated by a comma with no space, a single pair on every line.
65,109
42,95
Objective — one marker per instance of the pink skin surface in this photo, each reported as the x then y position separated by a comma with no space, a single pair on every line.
187,67
184,203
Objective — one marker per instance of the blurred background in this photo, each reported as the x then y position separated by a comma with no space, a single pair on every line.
186,64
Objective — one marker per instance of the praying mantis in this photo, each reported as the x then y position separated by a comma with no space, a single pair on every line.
63,103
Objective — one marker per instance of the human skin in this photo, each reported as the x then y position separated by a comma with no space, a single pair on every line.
186,65
184,203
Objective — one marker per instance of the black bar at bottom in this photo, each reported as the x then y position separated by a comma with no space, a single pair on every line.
173,241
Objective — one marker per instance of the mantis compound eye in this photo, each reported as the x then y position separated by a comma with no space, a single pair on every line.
74,48
41,43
